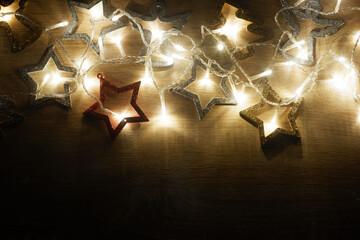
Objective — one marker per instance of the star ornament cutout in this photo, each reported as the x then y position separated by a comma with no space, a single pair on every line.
8,6
331,26
276,131
98,9
158,13
115,130
36,99
12,118
181,90
227,26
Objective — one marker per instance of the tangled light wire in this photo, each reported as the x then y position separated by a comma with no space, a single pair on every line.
196,53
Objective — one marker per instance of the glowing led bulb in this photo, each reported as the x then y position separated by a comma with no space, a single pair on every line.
5,18
206,80
120,116
84,65
179,48
115,18
271,126
146,79
96,11
240,97
264,74
169,60
302,54
344,62
220,46
157,34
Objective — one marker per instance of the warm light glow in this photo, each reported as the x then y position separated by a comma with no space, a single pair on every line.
230,29
206,80
115,18
297,44
220,46
96,11
179,48
177,56
86,65
157,34
240,97
5,18
169,60
302,54
344,62
271,126
264,74
120,116
91,83
337,5
340,81
146,79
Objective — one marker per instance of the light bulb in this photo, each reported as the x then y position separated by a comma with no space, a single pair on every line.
120,116
264,74
146,79
271,126
206,80
96,11
179,48
220,46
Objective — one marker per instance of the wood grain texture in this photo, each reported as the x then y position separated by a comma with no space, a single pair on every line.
61,177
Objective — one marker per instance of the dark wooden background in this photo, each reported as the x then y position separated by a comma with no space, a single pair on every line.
61,177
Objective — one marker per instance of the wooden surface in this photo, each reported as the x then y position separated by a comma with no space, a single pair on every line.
61,177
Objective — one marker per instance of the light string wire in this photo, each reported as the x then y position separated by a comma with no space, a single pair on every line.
197,53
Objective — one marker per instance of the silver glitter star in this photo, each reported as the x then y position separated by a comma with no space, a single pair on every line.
158,11
24,74
229,99
331,26
107,11
15,46
13,118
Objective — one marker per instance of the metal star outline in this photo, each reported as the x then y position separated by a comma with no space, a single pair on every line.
15,46
13,118
229,99
331,26
158,11
256,26
104,84
23,73
107,11
268,92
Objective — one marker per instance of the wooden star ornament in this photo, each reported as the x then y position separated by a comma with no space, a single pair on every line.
104,85
249,116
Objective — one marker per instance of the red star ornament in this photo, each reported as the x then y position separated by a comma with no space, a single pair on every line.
104,84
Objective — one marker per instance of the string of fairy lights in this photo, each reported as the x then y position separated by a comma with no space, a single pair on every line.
164,44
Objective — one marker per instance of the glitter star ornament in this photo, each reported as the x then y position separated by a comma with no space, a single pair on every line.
98,8
106,85
249,116
158,12
15,45
12,118
331,26
256,25
36,99
181,89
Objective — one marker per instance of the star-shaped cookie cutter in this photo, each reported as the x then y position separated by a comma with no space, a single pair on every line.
107,11
13,118
331,26
229,98
15,46
24,74
104,84
248,115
